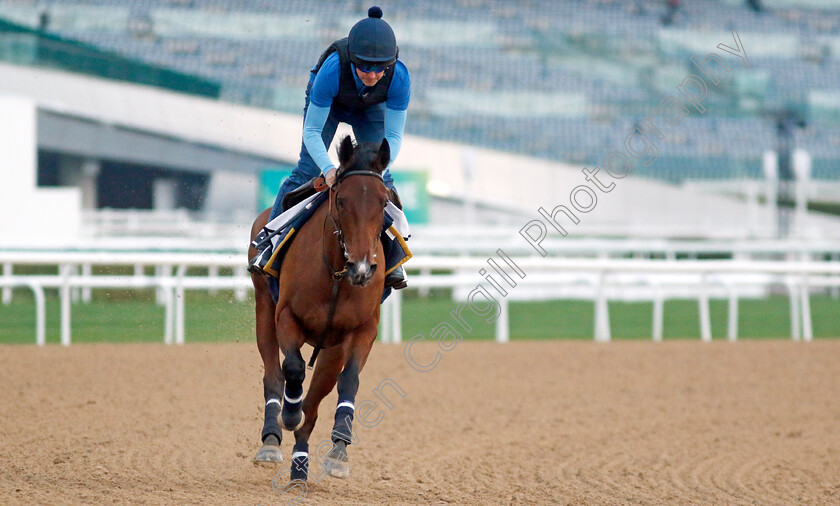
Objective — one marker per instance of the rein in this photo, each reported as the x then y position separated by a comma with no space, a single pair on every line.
336,275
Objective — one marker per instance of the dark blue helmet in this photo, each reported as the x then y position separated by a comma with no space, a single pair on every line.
371,41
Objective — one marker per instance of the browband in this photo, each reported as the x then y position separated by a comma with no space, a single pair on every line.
358,172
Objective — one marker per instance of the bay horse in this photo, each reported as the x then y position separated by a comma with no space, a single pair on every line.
329,297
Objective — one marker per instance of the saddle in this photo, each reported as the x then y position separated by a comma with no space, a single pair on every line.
318,184
315,185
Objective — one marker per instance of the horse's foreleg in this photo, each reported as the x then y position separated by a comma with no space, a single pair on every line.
337,464
272,378
324,377
294,371
290,338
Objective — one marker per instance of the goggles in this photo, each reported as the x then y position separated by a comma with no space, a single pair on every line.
366,68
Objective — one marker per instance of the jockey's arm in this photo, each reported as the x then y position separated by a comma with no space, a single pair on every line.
324,89
316,117
394,126
313,125
399,94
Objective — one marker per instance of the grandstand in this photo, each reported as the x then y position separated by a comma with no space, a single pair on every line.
561,81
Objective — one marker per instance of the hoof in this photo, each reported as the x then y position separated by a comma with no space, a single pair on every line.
336,463
292,422
270,451
269,454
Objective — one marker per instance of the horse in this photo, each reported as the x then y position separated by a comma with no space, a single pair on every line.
329,297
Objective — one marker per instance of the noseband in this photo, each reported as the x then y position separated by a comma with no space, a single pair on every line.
336,219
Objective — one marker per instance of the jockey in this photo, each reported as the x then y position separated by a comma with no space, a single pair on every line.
360,81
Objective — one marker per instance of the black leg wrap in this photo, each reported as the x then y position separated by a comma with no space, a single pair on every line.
294,369
272,410
300,462
294,372
343,428
292,414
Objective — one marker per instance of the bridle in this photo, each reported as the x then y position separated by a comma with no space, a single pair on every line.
336,218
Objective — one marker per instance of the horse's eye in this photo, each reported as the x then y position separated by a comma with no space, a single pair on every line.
339,202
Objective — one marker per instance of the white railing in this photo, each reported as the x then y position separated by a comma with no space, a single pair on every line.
461,240
600,275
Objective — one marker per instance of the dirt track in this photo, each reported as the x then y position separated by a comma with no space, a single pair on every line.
561,422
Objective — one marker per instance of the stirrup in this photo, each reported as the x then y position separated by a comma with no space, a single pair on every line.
397,279
257,264
254,267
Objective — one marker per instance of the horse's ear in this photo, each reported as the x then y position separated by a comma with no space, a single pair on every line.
345,151
384,154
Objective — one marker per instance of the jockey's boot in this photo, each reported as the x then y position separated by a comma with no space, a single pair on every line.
397,279
257,264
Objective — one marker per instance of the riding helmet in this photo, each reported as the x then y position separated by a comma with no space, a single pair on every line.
371,40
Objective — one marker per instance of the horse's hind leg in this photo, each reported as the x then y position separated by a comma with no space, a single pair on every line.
272,377
336,463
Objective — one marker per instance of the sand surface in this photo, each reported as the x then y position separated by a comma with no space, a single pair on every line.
527,422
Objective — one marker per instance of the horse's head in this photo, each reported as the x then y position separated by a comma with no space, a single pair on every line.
359,197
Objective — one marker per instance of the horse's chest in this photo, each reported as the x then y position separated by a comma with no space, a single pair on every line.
349,315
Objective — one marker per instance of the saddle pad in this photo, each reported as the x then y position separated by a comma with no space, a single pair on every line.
280,232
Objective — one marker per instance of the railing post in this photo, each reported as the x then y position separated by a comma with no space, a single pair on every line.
161,271
75,291
87,272
794,312
8,269
424,291
658,313
179,304
168,291
705,319
602,312
213,273
385,325
732,322
240,293
40,313
503,322
396,317
805,300
65,269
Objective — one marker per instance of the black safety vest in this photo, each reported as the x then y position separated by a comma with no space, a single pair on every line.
348,96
